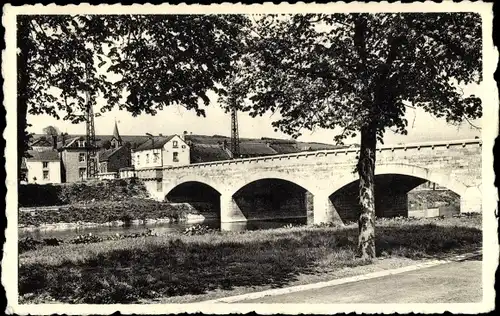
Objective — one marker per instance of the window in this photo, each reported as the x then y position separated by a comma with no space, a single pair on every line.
156,157
82,172
81,157
138,159
45,175
147,158
81,143
45,164
175,144
183,146
175,156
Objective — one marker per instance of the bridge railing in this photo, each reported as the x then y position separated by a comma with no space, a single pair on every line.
319,153
149,173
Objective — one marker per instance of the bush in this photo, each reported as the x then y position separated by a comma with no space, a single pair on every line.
29,243
31,195
198,230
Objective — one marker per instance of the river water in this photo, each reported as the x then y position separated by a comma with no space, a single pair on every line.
161,229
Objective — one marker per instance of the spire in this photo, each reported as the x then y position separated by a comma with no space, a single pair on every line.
116,135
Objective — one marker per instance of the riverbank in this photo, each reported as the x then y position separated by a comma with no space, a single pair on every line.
111,213
55,227
144,269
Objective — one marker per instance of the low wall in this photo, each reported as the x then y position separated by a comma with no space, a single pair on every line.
107,175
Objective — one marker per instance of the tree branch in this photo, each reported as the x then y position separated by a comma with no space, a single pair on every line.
470,123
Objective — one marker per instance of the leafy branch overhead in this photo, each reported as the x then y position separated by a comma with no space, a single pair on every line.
153,60
346,70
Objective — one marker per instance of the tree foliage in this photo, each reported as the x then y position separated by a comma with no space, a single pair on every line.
51,130
359,72
345,70
151,60
137,63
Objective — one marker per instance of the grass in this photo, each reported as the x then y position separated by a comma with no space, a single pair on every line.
149,268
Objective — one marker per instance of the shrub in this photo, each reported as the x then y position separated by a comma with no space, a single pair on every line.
31,195
198,230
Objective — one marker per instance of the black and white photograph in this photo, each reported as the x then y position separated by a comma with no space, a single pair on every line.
230,158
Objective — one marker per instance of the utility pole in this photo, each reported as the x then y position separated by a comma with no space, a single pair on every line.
91,142
235,140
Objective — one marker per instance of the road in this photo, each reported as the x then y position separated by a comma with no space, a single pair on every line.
455,282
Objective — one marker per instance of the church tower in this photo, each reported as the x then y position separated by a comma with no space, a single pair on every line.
116,141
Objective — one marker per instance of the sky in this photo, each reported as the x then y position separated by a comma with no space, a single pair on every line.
176,119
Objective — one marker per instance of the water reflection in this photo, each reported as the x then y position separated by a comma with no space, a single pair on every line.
163,228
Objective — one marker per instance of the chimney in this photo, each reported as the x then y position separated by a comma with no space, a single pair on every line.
160,134
54,141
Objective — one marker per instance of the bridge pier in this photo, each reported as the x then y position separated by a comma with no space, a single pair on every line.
324,210
471,200
230,212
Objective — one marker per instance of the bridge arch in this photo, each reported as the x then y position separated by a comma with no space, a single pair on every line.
406,170
272,175
197,195
393,182
191,178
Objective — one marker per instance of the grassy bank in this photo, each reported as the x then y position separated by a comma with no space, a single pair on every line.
147,268
109,211
33,195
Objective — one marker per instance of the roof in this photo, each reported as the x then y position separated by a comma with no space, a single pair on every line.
256,149
155,142
41,142
284,148
105,154
45,155
208,152
115,133
71,142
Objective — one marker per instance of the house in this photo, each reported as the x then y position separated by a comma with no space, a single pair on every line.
161,151
42,167
116,157
74,159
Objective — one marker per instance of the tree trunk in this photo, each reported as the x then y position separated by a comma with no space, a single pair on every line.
22,90
366,171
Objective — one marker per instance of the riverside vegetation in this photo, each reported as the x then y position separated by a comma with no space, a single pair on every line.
99,202
132,270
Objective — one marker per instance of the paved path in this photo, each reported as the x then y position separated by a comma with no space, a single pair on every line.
455,282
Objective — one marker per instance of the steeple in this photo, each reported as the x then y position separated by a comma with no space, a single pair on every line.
117,140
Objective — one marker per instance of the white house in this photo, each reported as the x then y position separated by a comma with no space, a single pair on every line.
161,151
44,166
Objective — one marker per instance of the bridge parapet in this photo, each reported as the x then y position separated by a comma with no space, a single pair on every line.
149,173
349,152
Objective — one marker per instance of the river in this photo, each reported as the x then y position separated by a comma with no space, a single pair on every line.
161,229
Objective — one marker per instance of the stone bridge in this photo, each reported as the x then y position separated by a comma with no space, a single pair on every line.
321,184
